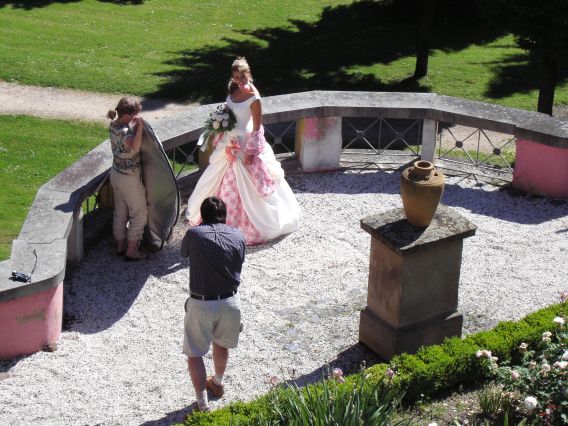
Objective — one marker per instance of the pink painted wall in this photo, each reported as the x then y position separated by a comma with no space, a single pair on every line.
31,322
541,169
317,128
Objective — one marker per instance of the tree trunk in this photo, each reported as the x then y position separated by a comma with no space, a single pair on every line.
548,78
423,48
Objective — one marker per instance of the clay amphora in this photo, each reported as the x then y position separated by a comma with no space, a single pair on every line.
421,187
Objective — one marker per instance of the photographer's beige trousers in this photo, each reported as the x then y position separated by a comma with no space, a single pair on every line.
130,210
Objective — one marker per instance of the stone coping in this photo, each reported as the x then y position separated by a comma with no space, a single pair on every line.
50,219
537,127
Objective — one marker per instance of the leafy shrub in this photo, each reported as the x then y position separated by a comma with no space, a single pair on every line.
494,401
537,385
332,403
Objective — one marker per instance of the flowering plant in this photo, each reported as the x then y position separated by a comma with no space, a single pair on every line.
222,119
537,387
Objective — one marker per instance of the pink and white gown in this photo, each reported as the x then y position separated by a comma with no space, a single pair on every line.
259,200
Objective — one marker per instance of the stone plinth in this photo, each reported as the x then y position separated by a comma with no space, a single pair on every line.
413,281
318,143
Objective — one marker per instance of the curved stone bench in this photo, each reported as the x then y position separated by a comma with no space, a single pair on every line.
31,313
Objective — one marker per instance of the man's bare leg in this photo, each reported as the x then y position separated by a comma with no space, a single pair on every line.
220,358
198,375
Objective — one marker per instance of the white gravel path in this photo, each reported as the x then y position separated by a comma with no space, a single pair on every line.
120,361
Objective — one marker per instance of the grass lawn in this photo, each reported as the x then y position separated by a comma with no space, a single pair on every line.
182,49
129,48
32,151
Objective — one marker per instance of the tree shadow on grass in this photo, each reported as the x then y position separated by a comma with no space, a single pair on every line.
34,4
520,73
322,54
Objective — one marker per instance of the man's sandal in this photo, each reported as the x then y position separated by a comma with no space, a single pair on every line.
207,409
137,256
216,390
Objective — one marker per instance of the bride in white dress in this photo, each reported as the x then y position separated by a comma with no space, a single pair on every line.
244,173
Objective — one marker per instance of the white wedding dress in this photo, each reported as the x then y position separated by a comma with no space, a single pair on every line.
259,200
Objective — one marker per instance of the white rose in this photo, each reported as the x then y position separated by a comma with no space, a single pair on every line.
558,320
225,123
530,403
545,368
565,356
515,375
560,365
546,336
215,124
225,116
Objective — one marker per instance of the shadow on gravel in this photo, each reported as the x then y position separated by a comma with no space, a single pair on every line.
501,204
173,417
102,291
351,361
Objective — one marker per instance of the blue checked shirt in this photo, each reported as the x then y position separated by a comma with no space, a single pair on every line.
216,255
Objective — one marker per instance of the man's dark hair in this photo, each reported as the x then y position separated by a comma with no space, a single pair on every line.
213,210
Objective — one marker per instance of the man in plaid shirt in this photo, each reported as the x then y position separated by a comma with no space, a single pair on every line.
216,255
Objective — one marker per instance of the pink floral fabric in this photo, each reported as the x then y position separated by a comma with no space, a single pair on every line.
255,142
263,182
236,214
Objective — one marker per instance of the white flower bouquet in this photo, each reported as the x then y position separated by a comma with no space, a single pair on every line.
221,120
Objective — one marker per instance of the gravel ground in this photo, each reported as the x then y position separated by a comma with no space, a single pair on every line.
120,362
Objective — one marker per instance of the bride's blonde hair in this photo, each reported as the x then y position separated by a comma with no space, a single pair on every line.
240,65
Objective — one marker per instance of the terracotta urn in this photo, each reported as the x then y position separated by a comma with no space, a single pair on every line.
421,187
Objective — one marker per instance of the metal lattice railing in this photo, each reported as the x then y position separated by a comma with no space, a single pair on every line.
476,152
470,151
381,135
281,137
184,158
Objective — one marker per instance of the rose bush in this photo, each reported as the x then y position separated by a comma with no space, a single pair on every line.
539,381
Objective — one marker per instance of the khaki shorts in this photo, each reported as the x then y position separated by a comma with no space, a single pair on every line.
209,321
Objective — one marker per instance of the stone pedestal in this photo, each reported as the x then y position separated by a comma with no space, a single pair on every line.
413,281
318,143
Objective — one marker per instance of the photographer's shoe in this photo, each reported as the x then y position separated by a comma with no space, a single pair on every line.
138,255
216,390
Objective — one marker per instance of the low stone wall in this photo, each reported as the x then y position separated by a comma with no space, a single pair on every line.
31,313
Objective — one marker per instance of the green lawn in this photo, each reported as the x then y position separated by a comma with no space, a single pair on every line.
32,151
182,49
132,48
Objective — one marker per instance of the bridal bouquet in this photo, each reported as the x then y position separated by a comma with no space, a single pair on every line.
221,120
